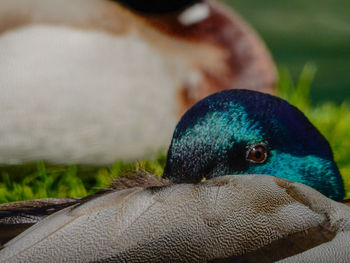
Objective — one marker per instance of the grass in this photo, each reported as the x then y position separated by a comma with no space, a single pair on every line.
331,119
39,180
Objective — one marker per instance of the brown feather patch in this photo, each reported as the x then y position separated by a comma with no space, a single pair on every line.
346,202
138,179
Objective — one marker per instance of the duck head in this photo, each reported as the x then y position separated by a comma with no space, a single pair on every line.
157,6
248,132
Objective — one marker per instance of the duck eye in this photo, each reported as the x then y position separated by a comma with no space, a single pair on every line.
257,153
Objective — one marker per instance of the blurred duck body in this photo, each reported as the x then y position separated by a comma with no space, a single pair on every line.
92,81
244,217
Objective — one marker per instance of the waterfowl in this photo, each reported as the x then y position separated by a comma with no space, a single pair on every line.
92,81
243,217
237,218
248,132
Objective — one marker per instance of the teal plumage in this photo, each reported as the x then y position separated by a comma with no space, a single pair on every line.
216,135
253,215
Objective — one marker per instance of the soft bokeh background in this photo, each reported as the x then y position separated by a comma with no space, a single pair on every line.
298,31
310,42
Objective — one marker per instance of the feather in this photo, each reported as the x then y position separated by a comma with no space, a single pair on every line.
241,217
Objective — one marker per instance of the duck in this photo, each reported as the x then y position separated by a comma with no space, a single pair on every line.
79,77
270,193
234,218
247,132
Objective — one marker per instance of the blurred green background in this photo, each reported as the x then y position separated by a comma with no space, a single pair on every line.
298,32
309,40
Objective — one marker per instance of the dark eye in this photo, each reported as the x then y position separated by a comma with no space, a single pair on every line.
257,153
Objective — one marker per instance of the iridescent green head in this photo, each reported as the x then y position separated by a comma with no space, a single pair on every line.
248,132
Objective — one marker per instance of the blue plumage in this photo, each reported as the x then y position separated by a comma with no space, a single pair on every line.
221,133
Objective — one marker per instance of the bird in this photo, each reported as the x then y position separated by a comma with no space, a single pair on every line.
268,172
249,132
234,218
78,77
